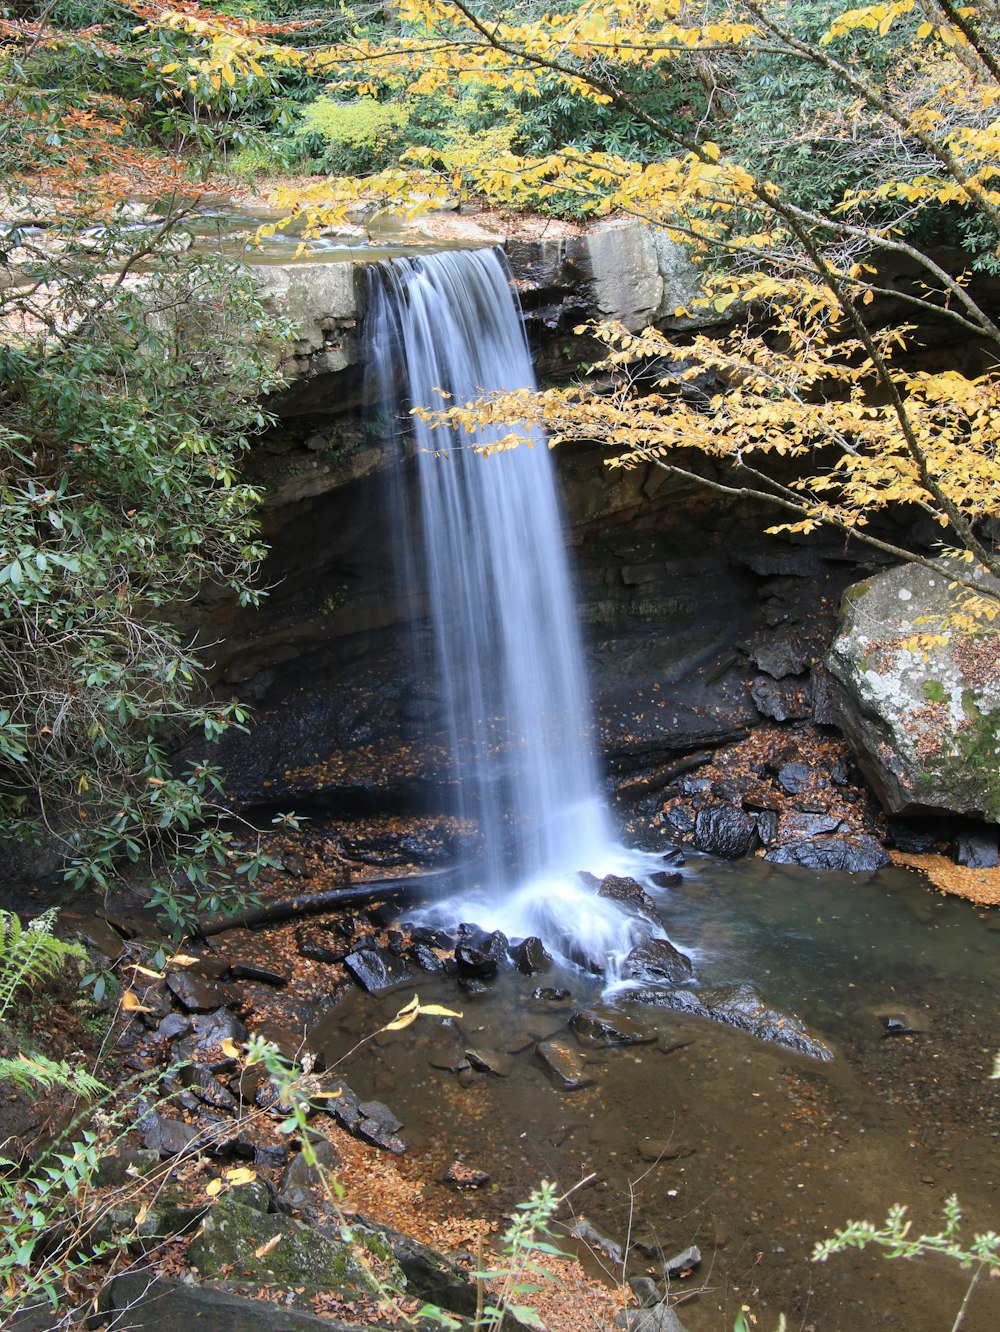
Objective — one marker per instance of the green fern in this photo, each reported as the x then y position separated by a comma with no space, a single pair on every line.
37,1070
30,953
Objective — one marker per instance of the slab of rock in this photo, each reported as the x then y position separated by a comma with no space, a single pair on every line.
922,716
564,1064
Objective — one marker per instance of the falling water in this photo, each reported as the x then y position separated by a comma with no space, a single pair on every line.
507,649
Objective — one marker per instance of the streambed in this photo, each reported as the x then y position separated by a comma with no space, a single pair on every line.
706,1136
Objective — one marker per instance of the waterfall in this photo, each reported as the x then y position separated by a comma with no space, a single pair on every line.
491,556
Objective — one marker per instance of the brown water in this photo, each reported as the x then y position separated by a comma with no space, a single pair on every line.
710,1137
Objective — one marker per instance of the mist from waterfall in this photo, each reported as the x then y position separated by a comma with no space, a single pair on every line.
491,555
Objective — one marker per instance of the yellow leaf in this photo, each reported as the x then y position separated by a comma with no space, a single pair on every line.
268,1246
182,960
230,1049
145,971
141,1214
213,1188
229,74
169,69
435,1010
132,1004
241,1175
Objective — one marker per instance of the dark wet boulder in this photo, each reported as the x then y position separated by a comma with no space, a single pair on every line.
530,956
723,830
426,958
629,893
376,969
474,964
656,961
603,1025
849,855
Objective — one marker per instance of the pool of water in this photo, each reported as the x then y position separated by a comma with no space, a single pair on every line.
706,1136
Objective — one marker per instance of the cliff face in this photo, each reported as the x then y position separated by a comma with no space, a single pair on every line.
698,627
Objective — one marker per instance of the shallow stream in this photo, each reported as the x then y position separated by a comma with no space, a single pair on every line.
706,1136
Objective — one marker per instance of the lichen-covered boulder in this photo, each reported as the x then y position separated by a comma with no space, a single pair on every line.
919,695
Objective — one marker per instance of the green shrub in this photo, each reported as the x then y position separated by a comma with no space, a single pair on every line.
352,138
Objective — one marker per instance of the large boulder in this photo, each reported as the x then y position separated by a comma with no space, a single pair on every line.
919,696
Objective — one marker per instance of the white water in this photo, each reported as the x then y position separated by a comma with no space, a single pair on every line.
507,649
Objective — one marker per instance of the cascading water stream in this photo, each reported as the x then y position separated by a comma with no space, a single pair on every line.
507,649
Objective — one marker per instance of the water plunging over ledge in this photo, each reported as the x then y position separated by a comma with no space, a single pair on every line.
507,648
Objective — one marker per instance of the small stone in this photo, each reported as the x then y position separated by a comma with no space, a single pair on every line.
792,777
381,1114
645,1290
658,1149
724,830
473,964
549,994
300,1180
683,1262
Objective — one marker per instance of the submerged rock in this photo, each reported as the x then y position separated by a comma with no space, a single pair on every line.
737,1006
603,1025
564,1065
